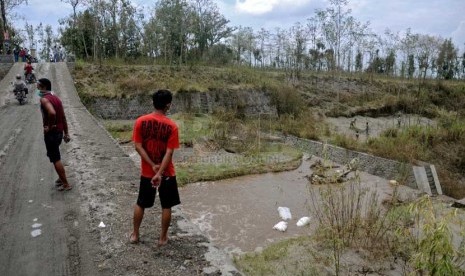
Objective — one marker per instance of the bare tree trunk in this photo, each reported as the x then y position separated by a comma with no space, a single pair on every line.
2,7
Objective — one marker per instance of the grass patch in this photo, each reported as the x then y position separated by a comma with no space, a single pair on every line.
120,130
442,145
289,257
114,79
214,167
192,127
305,125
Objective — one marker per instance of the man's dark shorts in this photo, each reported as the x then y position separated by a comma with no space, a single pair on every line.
168,192
52,144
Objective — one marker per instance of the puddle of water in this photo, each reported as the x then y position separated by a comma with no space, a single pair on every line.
238,214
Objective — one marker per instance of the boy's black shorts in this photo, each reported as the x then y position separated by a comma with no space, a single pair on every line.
52,144
168,192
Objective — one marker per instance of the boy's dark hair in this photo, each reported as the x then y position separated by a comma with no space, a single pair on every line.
45,83
161,99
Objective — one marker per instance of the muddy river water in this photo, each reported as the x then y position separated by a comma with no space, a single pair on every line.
238,214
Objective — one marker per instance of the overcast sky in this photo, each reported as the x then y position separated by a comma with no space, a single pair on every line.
436,17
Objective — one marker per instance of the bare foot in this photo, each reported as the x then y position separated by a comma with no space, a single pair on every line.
133,238
58,182
64,188
162,242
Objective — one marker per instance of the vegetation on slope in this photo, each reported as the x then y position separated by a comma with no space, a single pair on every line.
302,106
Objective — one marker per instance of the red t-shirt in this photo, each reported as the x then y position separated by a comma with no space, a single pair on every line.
60,113
28,68
156,132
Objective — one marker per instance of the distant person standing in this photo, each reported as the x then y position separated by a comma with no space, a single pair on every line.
16,53
156,137
22,55
55,124
56,57
60,54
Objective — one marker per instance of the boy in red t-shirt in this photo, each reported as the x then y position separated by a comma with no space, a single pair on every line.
155,137
28,69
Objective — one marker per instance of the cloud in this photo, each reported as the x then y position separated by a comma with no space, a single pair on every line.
260,7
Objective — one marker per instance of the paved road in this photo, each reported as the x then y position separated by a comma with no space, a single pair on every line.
29,203
105,183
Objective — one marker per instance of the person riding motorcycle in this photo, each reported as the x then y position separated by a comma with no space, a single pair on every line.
28,72
20,89
19,85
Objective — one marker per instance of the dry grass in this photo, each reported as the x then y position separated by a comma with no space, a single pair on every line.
297,103
136,79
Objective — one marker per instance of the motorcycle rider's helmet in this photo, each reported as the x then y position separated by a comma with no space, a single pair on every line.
18,77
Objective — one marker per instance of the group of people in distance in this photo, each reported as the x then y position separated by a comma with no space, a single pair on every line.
22,54
57,54
155,138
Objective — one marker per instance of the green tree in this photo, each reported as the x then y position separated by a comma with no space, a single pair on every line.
263,36
463,65
410,66
30,35
78,34
359,61
390,63
427,48
46,38
407,47
6,6
242,44
171,22
299,46
78,39
210,26
446,61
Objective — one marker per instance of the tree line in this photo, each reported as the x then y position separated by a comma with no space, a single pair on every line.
193,32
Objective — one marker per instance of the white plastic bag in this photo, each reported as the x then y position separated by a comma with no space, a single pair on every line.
284,213
303,221
280,226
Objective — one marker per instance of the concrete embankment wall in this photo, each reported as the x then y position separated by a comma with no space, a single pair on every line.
375,165
244,102
6,62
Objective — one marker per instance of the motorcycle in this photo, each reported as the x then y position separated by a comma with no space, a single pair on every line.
20,93
30,78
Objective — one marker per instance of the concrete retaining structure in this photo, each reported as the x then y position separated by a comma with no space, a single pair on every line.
7,59
422,179
431,187
375,165
244,102
6,62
